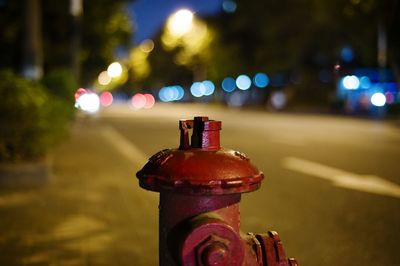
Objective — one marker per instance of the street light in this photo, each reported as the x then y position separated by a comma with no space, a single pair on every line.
180,22
191,36
114,70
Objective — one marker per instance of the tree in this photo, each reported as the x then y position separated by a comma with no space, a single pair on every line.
105,27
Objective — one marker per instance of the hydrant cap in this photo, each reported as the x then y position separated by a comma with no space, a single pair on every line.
203,169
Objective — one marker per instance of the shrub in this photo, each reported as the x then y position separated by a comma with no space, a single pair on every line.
31,119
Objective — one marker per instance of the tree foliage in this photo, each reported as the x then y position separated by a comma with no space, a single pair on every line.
290,35
103,27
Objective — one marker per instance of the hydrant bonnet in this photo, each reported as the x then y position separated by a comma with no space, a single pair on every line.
202,166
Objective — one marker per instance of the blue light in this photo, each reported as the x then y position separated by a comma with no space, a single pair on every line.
209,87
261,80
347,54
351,82
171,93
243,82
229,6
197,89
180,92
228,84
365,82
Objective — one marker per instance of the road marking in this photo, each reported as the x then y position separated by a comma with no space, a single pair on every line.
124,146
366,183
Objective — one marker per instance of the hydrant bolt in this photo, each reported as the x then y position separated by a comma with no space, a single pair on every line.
215,254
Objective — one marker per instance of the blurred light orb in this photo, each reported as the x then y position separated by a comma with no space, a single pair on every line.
278,100
161,95
104,78
236,99
351,82
171,93
89,102
243,82
114,70
180,91
229,6
228,84
197,89
378,99
261,80
365,82
79,92
180,22
150,101
106,98
389,97
146,46
167,94
138,101
346,53
209,87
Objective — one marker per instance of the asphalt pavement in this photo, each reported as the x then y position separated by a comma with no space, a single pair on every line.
331,189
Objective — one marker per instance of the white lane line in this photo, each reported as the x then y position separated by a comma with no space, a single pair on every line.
366,183
123,145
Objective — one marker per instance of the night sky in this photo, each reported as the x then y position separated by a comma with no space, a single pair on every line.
149,15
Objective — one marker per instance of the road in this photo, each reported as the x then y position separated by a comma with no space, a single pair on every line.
332,188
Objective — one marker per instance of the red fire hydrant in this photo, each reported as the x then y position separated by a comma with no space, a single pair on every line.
200,187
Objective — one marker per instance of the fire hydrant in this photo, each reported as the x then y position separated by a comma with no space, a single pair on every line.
200,187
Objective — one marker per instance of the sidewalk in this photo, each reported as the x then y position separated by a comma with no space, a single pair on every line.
91,211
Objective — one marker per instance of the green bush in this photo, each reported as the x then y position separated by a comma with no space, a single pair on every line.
31,119
61,83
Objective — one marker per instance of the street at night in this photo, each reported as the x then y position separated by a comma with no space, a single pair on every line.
194,133
331,188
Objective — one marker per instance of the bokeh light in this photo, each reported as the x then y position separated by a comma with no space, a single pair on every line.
180,22
346,53
209,87
79,92
243,82
197,89
378,99
146,46
278,100
88,102
236,99
150,101
228,84
103,78
261,80
389,97
114,70
138,101
106,98
351,82
365,82
171,93
229,6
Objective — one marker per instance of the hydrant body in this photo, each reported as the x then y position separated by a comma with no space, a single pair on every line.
200,187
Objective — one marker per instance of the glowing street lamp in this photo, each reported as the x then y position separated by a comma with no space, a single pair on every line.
180,22
114,70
